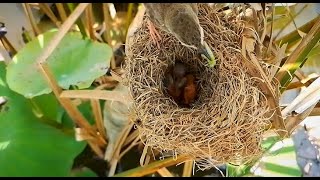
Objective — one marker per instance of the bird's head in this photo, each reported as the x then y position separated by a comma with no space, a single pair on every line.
186,28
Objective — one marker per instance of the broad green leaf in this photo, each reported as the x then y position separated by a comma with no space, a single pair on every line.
27,146
47,106
75,61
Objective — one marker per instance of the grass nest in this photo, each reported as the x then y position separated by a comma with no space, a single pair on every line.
231,112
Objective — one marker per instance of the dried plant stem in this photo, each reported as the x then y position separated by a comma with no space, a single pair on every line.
106,34
164,172
95,94
116,155
95,148
152,167
131,137
187,169
113,166
73,112
90,20
8,46
46,9
107,23
293,121
129,15
98,116
30,16
298,56
62,12
79,21
315,111
134,143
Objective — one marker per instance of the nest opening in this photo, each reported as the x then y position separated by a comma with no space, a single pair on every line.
173,84
226,121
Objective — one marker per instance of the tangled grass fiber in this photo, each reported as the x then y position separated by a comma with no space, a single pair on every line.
227,119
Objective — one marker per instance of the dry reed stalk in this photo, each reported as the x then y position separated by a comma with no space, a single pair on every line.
62,12
90,20
30,16
46,9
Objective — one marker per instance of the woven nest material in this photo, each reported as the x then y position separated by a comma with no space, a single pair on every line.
230,114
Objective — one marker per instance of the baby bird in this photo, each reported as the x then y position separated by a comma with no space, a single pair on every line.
175,80
190,90
179,19
180,85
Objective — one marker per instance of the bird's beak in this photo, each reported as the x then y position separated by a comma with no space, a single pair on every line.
208,54
204,51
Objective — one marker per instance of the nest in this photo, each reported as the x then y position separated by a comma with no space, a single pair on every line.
226,121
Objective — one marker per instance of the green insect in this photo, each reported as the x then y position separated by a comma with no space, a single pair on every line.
209,55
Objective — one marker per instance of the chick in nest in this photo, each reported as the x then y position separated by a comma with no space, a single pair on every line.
180,85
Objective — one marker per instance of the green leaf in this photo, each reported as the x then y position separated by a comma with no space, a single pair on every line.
279,161
236,171
27,146
47,106
75,61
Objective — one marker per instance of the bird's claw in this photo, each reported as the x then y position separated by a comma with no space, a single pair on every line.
155,36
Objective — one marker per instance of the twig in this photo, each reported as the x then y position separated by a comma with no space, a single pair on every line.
315,111
46,9
95,148
79,21
62,12
129,16
8,46
95,94
152,167
116,155
73,112
164,172
293,121
33,23
187,169
98,116
107,22
113,167
90,20
134,143
131,137
106,34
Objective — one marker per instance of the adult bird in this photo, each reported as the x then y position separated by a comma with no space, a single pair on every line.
179,19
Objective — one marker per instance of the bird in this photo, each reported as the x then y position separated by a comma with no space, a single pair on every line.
180,20
180,84
190,90
175,80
